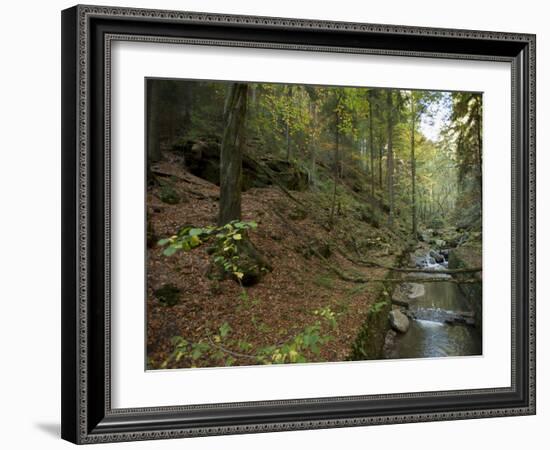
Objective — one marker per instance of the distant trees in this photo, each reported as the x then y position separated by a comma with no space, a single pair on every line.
467,129
463,134
372,139
413,162
169,109
419,102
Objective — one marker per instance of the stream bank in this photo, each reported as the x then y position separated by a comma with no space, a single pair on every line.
370,342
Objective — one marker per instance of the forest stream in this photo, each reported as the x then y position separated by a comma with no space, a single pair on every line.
441,318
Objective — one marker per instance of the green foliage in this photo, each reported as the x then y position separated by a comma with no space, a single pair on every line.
303,123
377,307
327,314
219,347
225,242
246,301
224,330
295,351
436,222
208,348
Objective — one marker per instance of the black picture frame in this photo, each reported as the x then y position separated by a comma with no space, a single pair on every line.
87,416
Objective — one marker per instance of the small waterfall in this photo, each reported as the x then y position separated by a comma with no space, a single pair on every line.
441,321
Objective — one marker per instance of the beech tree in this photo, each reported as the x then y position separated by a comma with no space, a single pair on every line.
231,154
390,117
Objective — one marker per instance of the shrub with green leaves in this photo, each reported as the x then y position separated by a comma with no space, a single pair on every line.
329,315
209,348
221,348
295,351
225,240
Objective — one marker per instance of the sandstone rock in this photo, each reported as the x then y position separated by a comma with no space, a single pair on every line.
437,256
202,159
399,321
415,290
389,344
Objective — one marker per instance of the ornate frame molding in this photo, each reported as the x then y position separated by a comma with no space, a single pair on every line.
80,423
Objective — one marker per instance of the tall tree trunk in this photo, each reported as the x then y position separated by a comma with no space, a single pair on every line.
289,95
313,144
287,135
432,209
232,153
413,168
187,99
363,154
389,102
253,97
153,116
479,152
380,163
172,125
336,169
371,145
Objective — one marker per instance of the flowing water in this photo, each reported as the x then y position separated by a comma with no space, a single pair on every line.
429,335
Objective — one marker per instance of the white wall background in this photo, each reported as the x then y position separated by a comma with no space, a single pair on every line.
30,222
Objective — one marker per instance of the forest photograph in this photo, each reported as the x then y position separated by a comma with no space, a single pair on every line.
295,223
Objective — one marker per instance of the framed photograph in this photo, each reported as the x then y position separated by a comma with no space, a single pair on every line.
281,224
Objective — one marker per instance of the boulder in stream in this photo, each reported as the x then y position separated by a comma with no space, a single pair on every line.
438,257
405,292
399,321
415,290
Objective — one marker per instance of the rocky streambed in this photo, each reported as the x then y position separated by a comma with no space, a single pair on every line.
435,318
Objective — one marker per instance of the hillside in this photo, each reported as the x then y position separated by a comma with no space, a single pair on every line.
301,289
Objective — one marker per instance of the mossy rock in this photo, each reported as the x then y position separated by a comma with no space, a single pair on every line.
168,295
297,214
202,159
169,195
369,343
181,146
369,216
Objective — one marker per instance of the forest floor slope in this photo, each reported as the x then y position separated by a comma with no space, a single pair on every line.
306,284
